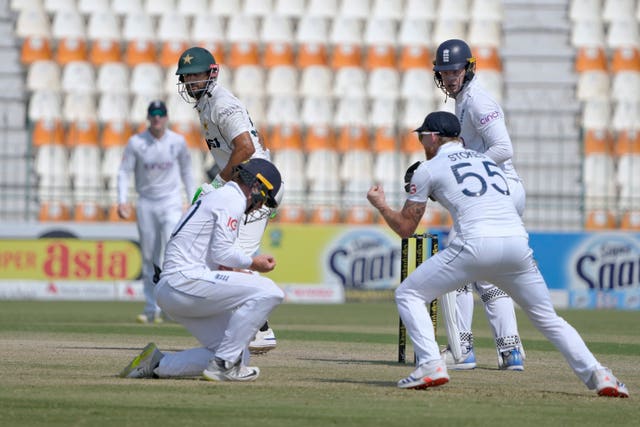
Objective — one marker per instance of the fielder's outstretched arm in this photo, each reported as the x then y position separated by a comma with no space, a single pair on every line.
403,222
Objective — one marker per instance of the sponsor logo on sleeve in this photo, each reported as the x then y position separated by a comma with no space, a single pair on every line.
489,118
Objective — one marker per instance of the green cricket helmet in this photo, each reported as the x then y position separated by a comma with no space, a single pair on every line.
196,60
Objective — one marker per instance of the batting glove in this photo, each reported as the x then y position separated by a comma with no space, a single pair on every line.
207,188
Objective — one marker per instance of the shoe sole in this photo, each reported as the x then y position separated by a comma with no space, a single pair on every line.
428,382
512,368
612,392
212,376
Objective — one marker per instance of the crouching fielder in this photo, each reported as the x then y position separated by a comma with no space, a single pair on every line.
491,244
207,284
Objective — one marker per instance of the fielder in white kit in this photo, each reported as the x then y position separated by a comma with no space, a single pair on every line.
491,244
232,138
483,129
160,160
202,287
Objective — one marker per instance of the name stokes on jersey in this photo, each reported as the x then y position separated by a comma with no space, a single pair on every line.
467,154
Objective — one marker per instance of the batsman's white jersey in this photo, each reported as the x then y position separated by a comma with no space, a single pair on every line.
222,309
483,129
491,244
158,166
222,118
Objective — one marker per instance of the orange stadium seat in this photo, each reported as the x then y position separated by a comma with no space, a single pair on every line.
170,52
242,34
277,38
82,133
112,214
627,142
346,55
139,35
71,49
139,52
103,31
114,134
174,37
597,141
380,38
285,136
312,37
630,220
359,214
625,59
291,214
355,173
487,58
600,219
216,48
591,58
346,38
192,135
88,212
207,31
414,38
53,210
47,131
286,143
35,48
104,51
389,165
322,174
415,57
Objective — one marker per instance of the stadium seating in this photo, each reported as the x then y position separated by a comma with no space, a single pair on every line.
311,73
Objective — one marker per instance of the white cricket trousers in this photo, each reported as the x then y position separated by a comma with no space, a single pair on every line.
508,263
155,220
499,310
221,309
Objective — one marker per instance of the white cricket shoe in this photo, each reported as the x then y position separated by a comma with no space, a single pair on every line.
467,361
221,370
142,365
608,385
430,374
263,342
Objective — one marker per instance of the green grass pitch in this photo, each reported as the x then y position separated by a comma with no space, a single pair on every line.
335,365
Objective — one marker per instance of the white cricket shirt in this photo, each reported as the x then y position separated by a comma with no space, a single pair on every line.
158,166
222,118
472,188
483,126
205,235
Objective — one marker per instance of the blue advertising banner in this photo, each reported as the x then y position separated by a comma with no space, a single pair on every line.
598,270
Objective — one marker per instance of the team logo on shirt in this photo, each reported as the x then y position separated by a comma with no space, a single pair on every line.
232,224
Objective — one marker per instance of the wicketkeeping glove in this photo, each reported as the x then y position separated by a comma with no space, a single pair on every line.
409,174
